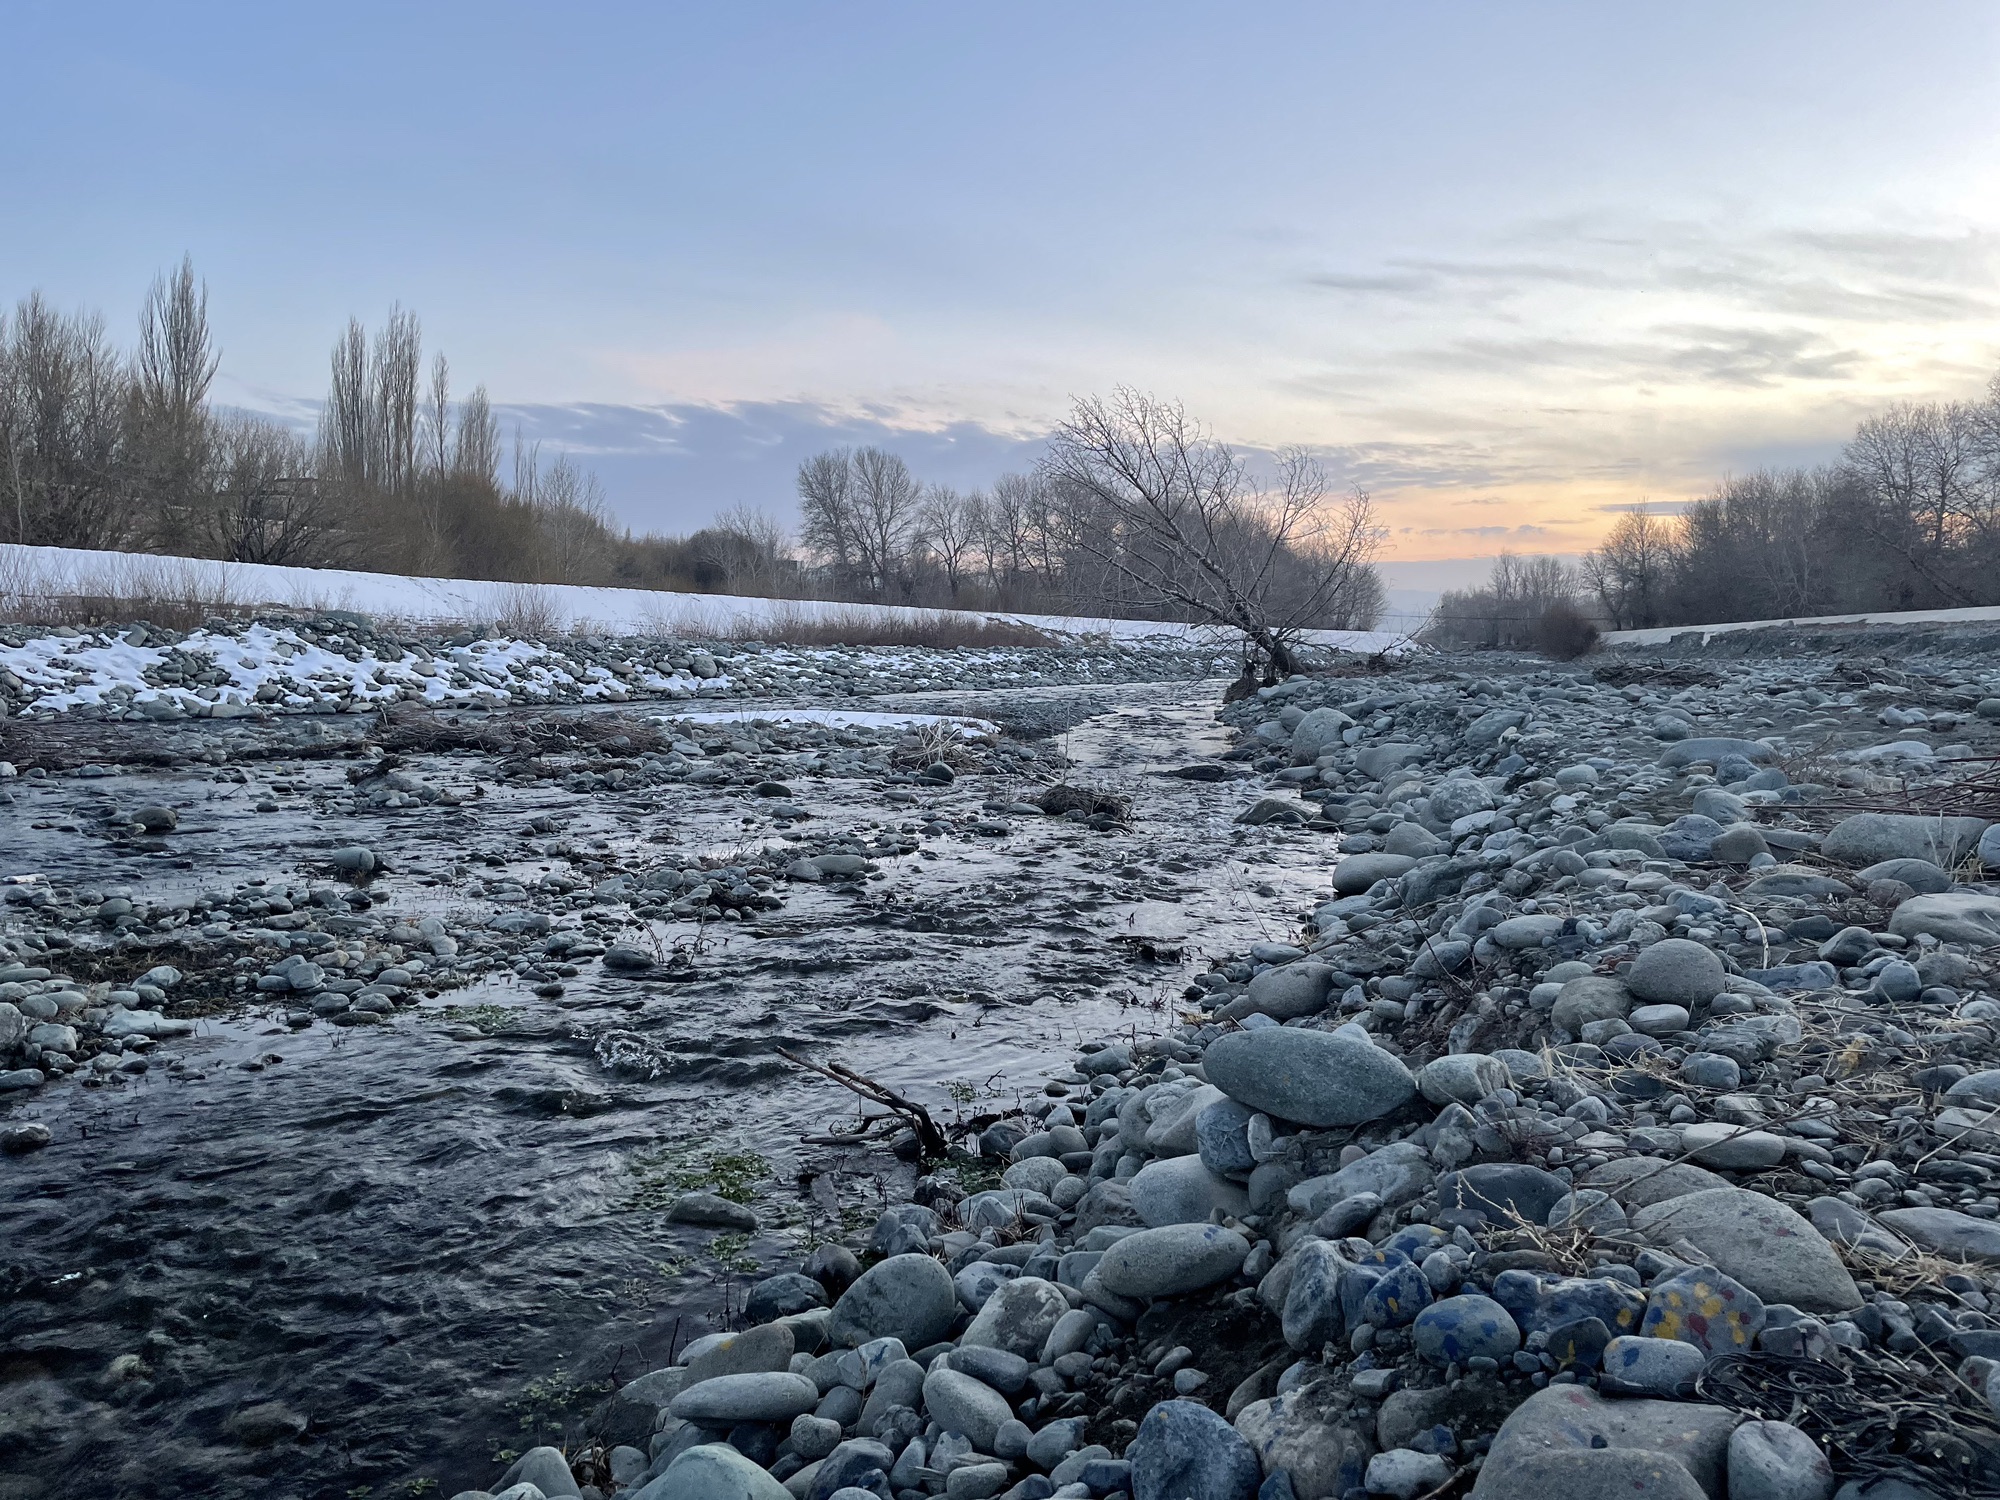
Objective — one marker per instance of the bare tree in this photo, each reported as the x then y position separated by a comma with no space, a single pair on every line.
169,436
1629,572
1921,465
395,371
569,512
887,503
1171,522
1508,610
950,525
1010,522
432,491
750,548
66,395
828,525
344,421
476,454
267,506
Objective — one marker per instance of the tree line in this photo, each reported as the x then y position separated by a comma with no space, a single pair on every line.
1134,510
123,450
1908,518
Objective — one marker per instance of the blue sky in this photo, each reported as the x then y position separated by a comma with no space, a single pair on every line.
1509,266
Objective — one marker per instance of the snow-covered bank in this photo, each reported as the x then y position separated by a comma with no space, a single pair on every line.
50,573
1660,635
343,664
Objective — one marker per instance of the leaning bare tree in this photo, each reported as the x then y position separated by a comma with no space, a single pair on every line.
1160,516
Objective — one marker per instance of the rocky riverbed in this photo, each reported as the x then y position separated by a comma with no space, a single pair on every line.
1478,1077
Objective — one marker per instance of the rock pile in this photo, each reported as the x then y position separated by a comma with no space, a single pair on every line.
93,975
348,663
1620,1075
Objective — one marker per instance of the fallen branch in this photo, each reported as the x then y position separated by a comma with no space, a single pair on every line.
929,1136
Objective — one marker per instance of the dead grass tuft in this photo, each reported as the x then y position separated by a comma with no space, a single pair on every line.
788,625
1064,798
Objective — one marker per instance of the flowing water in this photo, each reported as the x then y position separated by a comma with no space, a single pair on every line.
436,1251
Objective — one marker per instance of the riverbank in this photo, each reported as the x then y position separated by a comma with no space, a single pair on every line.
1369,1089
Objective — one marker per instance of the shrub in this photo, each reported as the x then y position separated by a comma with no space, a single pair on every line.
1564,632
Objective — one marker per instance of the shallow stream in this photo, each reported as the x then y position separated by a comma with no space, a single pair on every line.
438,1250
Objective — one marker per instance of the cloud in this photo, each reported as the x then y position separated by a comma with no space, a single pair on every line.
674,467
1491,533
1646,507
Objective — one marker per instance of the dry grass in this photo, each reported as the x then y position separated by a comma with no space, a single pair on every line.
928,744
183,593
787,625
170,592
1064,798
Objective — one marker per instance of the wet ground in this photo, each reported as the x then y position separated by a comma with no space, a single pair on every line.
437,1247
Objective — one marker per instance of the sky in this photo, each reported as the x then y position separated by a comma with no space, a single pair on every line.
1514,269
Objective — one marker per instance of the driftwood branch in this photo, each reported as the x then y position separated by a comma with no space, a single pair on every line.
929,1136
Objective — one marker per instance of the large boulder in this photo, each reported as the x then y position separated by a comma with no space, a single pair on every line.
713,1471
1950,917
1308,1434
1317,733
907,1297
760,1396
1184,1450
1714,749
1171,1261
1286,992
1870,838
1539,1441
1316,1078
1758,1241
1677,971
1181,1190
1018,1317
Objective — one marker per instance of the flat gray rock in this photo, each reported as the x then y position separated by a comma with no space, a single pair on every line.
1759,1242
1310,1077
1357,872
764,1396
1535,1454
1182,1190
1947,1231
1953,917
1870,838
1171,1261
908,1297
1713,748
